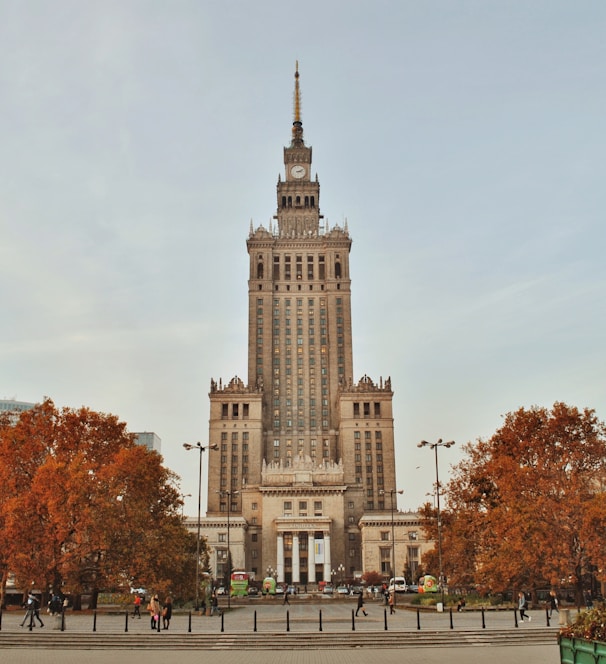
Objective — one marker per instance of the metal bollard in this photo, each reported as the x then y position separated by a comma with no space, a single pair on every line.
547,615
255,622
62,619
483,619
353,621
320,619
95,620
385,618
418,619
189,623
222,621
515,617
451,625
126,621
288,621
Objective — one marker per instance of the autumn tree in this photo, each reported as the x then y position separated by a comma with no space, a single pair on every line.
85,508
526,508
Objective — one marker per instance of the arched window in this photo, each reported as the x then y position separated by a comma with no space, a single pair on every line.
338,270
260,269
290,201
283,201
306,201
313,201
298,200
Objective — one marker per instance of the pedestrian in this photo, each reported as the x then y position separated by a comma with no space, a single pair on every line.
167,612
553,603
154,611
361,604
392,608
32,611
286,600
137,607
214,604
55,606
523,606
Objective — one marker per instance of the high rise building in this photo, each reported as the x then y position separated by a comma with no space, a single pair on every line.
304,449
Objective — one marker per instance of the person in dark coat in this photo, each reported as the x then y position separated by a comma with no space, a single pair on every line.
361,604
167,612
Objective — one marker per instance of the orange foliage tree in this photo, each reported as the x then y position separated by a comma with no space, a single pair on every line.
83,508
526,508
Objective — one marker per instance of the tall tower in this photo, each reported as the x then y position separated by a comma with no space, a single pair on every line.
304,451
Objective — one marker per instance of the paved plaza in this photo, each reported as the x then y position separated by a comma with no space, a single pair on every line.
270,616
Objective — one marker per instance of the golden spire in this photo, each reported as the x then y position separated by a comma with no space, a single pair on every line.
297,94
297,125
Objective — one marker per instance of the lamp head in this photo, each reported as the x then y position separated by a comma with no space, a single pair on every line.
188,446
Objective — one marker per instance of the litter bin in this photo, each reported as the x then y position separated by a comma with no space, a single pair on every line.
57,620
440,607
564,616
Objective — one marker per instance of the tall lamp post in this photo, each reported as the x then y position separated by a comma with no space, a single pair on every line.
341,570
393,539
434,447
201,448
229,495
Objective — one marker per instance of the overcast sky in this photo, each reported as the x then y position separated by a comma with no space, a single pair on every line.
463,141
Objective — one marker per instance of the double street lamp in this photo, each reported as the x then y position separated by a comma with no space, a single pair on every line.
434,447
201,448
228,495
393,539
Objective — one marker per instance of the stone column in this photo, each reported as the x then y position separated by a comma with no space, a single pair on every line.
311,558
327,563
296,567
280,560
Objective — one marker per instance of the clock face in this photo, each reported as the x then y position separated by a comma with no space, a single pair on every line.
298,171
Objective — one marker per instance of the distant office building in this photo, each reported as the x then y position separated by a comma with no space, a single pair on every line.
150,440
12,406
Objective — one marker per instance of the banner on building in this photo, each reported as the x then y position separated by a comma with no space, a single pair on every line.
319,551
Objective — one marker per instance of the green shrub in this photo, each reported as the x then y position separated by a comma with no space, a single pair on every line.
590,625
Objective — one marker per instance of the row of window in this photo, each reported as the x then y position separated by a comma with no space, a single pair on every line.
365,409
288,269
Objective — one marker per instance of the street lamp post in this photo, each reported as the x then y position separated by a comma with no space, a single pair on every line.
393,540
434,447
201,448
341,570
229,495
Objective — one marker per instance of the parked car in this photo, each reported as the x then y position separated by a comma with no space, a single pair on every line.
291,590
328,590
253,590
342,590
221,590
356,590
413,588
279,590
398,584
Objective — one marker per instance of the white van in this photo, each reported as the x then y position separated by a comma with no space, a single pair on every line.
398,584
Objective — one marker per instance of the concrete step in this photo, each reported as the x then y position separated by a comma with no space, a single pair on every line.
271,641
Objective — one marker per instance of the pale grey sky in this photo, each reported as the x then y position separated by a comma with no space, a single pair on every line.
463,141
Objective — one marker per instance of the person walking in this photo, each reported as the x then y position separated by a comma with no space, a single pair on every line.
137,607
361,604
167,612
286,599
154,611
523,606
214,604
553,603
392,608
32,612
